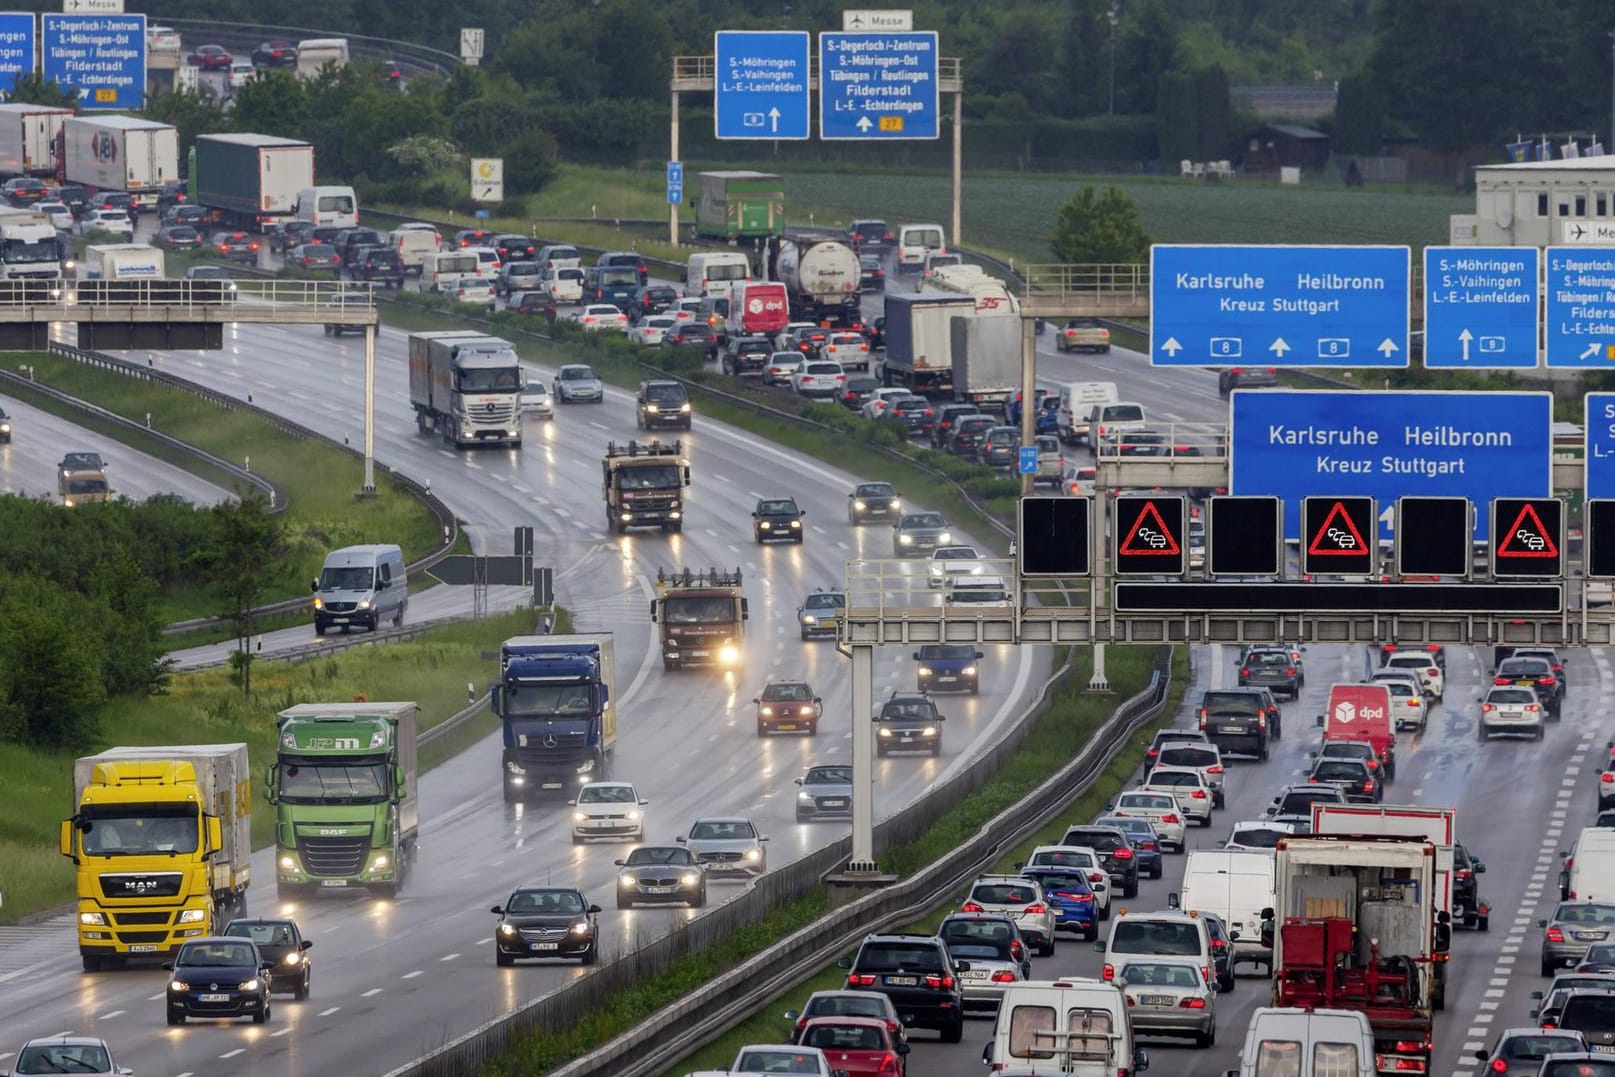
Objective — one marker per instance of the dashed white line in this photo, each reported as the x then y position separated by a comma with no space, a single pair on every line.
110,1015
483,942
153,998
330,1011
371,993
283,1031
448,957
232,1054
412,975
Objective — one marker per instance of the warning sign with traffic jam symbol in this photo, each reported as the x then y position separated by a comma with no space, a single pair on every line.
1149,535
1528,537
1339,536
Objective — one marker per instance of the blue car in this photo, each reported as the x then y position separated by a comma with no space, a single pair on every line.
1067,889
1146,842
948,667
1047,420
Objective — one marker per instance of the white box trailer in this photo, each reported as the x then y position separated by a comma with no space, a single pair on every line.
120,153
123,261
1438,826
28,138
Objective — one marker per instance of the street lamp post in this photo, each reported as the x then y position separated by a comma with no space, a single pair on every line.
1111,16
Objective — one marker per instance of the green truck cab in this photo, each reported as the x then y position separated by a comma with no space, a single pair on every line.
344,786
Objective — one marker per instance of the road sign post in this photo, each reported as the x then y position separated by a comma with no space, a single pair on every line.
1053,536
1387,445
488,179
1244,536
1480,307
1338,536
1580,307
760,87
103,56
1292,306
1150,535
1528,537
879,86
1434,536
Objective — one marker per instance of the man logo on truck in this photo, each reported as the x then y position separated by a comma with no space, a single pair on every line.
139,886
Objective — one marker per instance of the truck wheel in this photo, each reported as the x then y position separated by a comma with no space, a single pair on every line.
319,628
668,665
92,963
288,892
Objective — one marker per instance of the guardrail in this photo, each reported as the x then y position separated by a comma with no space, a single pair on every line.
421,58
273,299
448,525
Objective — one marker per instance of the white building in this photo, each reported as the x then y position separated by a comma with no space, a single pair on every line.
1540,203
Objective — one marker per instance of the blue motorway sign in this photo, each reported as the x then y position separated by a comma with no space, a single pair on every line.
1480,307
102,56
1580,292
1599,452
675,173
879,86
760,84
1279,306
16,46
1298,443
1028,460
675,193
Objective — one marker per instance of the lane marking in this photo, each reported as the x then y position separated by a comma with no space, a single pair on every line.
110,1015
232,1054
329,1012
283,1031
412,975
448,957
371,993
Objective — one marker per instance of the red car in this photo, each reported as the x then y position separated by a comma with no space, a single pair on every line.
210,58
857,1046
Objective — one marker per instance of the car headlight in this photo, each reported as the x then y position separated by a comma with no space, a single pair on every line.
507,929
804,795
689,878
928,731
294,959
580,928
580,816
178,985
925,671
193,916
895,503
652,409
804,710
765,525
768,710
249,985
96,918
319,603
5,428
905,540
809,619
754,854
885,732
684,408
944,538
515,767
626,880
859,505
968,671
635,814
796,523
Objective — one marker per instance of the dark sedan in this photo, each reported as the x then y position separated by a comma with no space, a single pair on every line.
276,53
871,277
691,337
281,943
236,246
872,501
178,237
914,412
919,532
218,977
1273,668
659,874
514,247
908,722
1350,776
545,922
777,518
968,434
315,258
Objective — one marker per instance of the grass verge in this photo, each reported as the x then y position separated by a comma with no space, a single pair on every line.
320,481
1069,722
207,708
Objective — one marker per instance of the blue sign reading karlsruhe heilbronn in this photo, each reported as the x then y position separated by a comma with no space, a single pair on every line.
1294,306
1299,443
101,56
1480,307
16,46
760,84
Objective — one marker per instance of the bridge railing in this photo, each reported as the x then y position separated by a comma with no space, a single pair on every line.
337,302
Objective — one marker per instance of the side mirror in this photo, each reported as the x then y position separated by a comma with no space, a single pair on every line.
1222,844
903,1048
1019,865
314,586
682,840
762,839
1536,996
642,803
1099,947
169,965
571,803
1480,869
1173,901
1267,913
498,910
756,699
267,966
594,910
916,656
619,863
1272,809
1233,936
844,963
1482,1055
790,1015
306,944
1541,923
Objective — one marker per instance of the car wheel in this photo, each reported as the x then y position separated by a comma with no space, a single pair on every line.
179,1018
624,903
1203,1040
700,901
1483,923
262,1016
1104,914
1130,890
1047,949
300,992
1226,983
1155,872
936,749
880,750
1262,755
504,960
762,730
1548,967
591,954
954,1032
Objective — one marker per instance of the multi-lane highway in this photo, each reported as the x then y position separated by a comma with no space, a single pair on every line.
409,974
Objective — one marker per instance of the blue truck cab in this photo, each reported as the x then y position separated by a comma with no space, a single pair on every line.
948,667
555,698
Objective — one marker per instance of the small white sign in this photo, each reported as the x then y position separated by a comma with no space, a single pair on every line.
1588,233
471,45
92,7
488,179
877,20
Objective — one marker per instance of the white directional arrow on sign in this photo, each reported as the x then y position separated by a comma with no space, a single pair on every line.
1172,347
773,119
1387,347
1592,350
863,123
1465,337
1278,347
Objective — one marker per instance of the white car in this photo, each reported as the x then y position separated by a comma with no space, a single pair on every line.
950,561
687,310
1187,786
727,845
765,1060
817,377
1161,809
159,38
1023,901
66,1053
1424,667
108,220
597,317
59,214
473,292
785,339
781,367
1258,835
608,810
652,329
564,284
535,398
1080,857
851,350
240,73
876,403
1409,708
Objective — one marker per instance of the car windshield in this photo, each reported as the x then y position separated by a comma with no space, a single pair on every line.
215,955
1140,936
947,652
783,1060
1154,801
923,519
1140,828
1346,749
825,601
696,610
1520,667
648,477
577,373
608,794
660,854
1175,778
722,830
347,578
62,1058
788,692
1159,975
876,489
954,553
664,394
913,711
1538,1047
1592,1012
547,700
1398,687
263,932
545,902
1228,703
1060,883
1068,858
828,776
1268,658
1300,802
851,1004
776,508
1510,695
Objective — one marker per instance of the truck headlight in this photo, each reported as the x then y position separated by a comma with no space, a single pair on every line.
729,654
96,918
364,604
193,916
515,767
319,603
288,863
626,517
380,863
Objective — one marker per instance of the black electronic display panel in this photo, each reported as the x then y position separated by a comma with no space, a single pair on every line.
1434,536
1055,537
1244,536
1598,520
1528,537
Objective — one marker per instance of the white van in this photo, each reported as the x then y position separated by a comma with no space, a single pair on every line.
1235,886
361,586
1157,934
487,261
443,270
328,207
1077,401
413,245
713,273
1073,1025
1293,1042
1591,873
315,53
915,241
558,254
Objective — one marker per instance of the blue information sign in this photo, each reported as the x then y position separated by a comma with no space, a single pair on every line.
879,86
675,173
1028,459
102,56
1299,443
1580,291
760,84
1480,307
16,47
1599,454
1279,306
675,193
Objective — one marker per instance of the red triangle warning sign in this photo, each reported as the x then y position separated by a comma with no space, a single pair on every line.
1150,536
1527,536
1337,536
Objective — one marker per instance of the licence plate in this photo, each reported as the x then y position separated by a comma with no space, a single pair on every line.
1589,935
1233,729
1604,1048
143,948
906,738
658,889
339,620
786,726
946,680
1158,1000
333,882
544,946
975,974
835,804
213,998
902,981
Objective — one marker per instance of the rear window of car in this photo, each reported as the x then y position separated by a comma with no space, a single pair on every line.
1102,840
1140,936
1175,778
1188,757
1003,894
1517,666
1538,1047
1301,801
1231,702
1341,770
1122,413
888,956
1568,1068
1510,695
1589,1013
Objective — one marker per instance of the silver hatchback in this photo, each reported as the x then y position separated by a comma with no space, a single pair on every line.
1506,708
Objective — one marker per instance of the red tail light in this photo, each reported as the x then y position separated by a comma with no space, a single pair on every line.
1244,673
1036,909
1170,819
1368,785
1414,702
1313,780
1003,977
860,980
888,1063
1500,680
1078,898
1096,876
1152,753
939,982
1555,935
1373,764
1198,794
1192,1004
1215,768
1206,973
1109,971
971,906
1289,672
1485,707
1218,944
1607,776
1544,680
1466,874
1499,1066
1123,854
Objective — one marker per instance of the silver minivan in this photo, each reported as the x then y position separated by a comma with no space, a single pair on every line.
361,586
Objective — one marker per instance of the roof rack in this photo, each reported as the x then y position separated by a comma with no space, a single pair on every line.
643,448
712,577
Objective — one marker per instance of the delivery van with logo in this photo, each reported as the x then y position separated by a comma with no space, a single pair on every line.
1362,712
758,309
